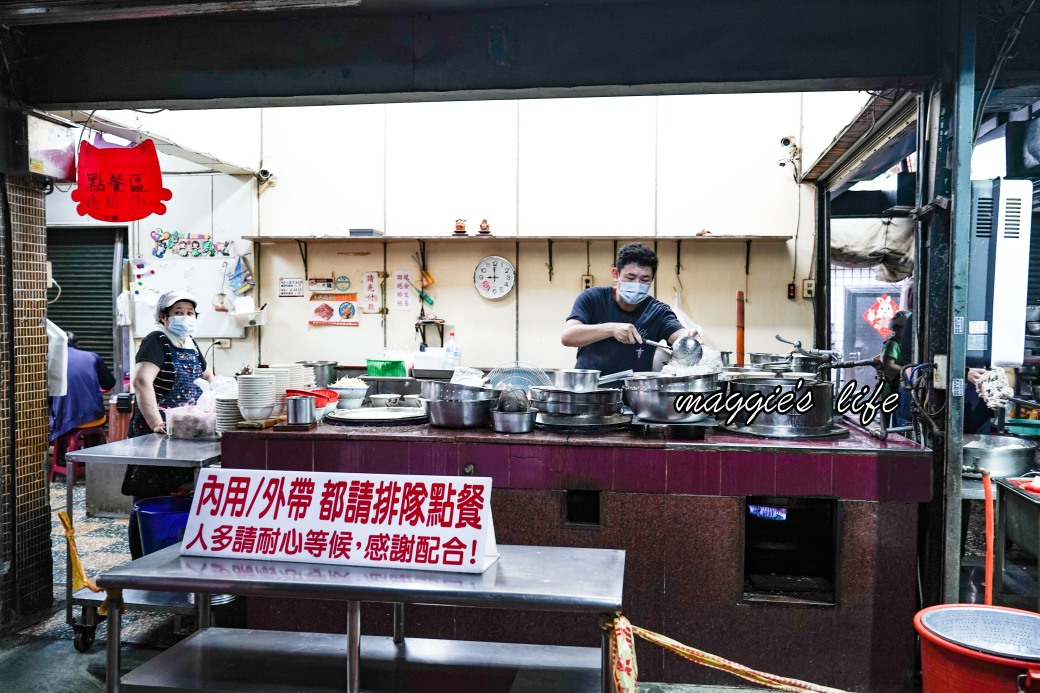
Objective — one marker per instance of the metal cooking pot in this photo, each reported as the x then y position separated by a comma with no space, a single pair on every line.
473,413
807,363
440,390
792,424
759,358
658,406
1001,455
324,372
576,379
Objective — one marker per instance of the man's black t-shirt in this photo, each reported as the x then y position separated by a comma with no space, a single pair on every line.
654,320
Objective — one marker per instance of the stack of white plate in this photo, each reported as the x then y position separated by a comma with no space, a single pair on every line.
308,378
256,396
228,413
297,376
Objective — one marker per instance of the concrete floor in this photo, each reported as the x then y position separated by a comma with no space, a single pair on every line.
38,655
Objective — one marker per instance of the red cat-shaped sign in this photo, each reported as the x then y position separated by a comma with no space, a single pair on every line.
119,184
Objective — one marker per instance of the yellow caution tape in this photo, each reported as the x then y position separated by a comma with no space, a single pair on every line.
79,575
623,661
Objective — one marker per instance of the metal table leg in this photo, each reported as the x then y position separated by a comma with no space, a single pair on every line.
353,646
604,667
113,636
398,623
68,552
203,611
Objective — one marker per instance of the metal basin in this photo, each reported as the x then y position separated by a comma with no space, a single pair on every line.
472,413
793,424
513,421
576,379
440,390
1001,455
654,382
760,358
658,406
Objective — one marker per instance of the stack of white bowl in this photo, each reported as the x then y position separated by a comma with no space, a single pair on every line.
228,413
281,384
308,378
297,376
256,396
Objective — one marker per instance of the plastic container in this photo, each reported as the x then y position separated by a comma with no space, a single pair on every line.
386,368
452,352
970,647
1024,427
161,521
190,422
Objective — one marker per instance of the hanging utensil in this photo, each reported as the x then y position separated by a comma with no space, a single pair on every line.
422,294
687,351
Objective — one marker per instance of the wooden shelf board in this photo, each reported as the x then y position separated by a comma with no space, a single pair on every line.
489,239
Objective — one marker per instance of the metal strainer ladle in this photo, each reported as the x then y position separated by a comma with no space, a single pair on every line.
685,351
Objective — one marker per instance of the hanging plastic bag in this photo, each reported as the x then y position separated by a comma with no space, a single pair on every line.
685,319
241,280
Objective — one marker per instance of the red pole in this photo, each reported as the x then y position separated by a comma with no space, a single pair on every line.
740,328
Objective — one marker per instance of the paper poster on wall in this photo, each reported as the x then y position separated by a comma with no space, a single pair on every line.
371,299
334,309
290,287
403,289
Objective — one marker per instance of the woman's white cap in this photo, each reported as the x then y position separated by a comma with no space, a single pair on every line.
171,297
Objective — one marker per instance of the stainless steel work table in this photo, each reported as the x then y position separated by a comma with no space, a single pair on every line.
155,450
537,578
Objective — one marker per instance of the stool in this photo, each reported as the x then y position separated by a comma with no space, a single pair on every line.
85,436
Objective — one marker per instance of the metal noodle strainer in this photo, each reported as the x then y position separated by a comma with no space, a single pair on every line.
519,374
687,351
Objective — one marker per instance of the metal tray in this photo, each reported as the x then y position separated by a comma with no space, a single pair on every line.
377,416
831,430
587,424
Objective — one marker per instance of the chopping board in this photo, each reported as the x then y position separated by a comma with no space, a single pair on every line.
254,425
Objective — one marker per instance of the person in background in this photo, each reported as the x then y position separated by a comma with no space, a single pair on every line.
609,323
168,363
87,376
892,362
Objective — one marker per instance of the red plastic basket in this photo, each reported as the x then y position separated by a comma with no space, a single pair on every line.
947,667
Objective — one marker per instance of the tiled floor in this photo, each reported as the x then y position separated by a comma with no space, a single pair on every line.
40,657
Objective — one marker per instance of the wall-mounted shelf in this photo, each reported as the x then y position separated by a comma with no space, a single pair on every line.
488,239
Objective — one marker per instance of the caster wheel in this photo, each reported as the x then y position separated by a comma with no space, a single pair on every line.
84,639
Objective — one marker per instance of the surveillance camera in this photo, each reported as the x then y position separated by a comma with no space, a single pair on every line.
264,175
787,141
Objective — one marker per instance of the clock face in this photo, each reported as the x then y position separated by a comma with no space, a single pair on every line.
494,277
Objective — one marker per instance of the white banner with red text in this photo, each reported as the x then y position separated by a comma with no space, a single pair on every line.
395,521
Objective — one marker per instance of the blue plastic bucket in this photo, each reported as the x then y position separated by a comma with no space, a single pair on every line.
161,521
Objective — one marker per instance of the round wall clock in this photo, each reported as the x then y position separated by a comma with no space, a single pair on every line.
493,277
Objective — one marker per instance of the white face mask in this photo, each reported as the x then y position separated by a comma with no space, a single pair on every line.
182,325
633,292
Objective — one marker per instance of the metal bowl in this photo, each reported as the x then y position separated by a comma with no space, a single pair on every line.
440,390
704,382
1032,327
760,358
658,406
513,421
576,379
472,413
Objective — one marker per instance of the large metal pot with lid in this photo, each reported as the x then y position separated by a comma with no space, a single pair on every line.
815,421
1002,456
652,396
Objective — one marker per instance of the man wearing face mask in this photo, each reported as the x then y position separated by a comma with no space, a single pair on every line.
609,323
168,363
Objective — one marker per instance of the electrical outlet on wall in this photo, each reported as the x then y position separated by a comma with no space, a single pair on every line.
586,281
808,288
222,343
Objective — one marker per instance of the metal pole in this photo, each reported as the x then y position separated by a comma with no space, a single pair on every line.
353,646
605,675
112,665
398,623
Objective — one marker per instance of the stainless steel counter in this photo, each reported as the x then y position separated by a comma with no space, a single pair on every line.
538,578
155,450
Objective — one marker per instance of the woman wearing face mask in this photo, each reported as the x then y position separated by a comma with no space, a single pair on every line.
168,364
609,323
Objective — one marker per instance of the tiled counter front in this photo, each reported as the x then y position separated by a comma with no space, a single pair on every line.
677,511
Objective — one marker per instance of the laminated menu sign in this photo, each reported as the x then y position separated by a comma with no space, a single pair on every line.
334,309
396,521
371,300
403,289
